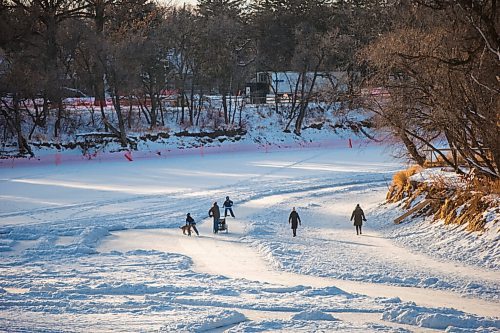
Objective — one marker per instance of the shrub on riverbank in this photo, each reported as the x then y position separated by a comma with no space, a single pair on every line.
471,201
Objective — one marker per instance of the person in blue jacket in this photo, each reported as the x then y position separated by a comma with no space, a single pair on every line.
228,206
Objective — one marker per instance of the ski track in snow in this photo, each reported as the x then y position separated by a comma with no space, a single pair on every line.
146,275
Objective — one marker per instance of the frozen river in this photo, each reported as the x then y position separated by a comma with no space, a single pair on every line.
95,246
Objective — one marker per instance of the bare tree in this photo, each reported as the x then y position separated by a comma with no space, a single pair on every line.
431,66
48,17
221,24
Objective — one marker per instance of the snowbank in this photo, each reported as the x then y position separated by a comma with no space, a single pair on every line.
453,220
439,318
313,315
204,321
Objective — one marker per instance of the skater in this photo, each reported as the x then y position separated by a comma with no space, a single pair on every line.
190,222
359,216
293,220
215,213
228,204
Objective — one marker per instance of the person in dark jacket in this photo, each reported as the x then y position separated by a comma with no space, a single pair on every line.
190,222
359,216
215,213
228,204
294,220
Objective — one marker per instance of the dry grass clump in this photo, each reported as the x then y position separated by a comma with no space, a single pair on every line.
442,183
473,213
400,179
464,208
485,185
401,185
454,200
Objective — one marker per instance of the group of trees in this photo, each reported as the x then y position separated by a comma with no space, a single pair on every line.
439,64
438,61
132,50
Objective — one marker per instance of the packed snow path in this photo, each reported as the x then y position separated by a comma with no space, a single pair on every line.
96,247
224,254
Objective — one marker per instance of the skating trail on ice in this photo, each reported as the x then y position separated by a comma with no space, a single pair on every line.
225,254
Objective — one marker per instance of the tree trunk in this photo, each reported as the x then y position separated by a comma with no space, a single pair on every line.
200,106
302,104
305,98
57,125
45,111
144,111
241,111
103,115
412,148
154,114
293,110
129,117
182,106
21,140
98,77
121,122
36,119
230,109
191,106
160,104
53,85
224,106
300,118
235,108
16,125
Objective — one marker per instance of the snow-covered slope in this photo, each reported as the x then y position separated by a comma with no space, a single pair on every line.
260,127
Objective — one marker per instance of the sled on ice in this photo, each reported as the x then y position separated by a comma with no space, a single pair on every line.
222,225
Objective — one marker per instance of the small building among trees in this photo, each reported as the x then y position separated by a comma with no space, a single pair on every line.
283,85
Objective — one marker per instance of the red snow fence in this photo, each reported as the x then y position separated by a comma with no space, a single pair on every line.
128,156
75,156
57,158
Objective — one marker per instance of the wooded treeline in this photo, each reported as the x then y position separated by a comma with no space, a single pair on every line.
437,61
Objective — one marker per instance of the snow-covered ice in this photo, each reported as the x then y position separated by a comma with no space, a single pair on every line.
94,246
